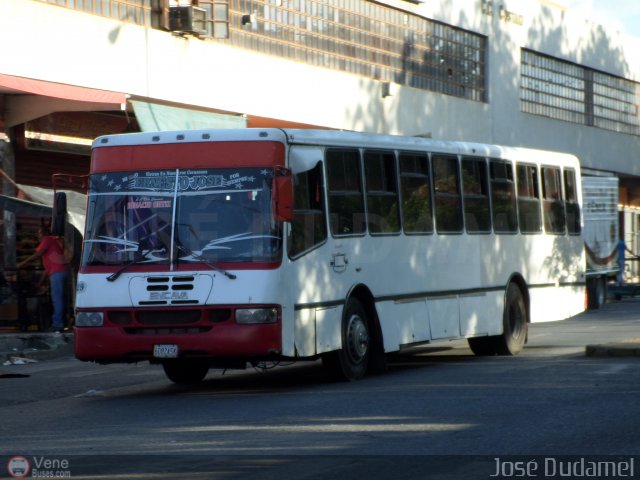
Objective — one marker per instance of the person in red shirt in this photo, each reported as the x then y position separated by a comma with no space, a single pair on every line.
56,267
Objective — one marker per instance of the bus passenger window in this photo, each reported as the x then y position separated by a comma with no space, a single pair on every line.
553,207
503,197
571,202
346,204
382,192
446,183
308,227
475,193
529,199
415,189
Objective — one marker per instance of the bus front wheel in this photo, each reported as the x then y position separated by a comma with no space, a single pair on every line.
185,370
350,362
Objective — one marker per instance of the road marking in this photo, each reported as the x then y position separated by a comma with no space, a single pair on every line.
613,369
91,393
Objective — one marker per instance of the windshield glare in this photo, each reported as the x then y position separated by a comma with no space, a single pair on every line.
221,215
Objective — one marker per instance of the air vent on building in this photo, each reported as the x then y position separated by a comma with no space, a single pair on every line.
188,19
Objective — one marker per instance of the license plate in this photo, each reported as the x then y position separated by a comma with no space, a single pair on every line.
165,351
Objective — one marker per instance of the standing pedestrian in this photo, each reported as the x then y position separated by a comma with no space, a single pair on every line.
56,267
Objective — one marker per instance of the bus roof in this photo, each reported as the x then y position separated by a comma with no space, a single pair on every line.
336,138
190,136
382,141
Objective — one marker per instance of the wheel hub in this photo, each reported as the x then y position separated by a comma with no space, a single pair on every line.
357,339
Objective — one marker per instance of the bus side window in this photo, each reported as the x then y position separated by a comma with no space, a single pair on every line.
529,199
415,188
475,192
503,197
309,226
346,203
446,182
571,202
382,192
554,219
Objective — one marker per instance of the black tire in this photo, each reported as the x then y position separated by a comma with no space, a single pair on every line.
351,361
514,322
183,371
596,293
601,292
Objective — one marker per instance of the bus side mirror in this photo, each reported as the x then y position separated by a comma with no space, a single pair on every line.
283,194
59,214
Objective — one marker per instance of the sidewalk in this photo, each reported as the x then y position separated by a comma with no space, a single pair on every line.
35,346
629,347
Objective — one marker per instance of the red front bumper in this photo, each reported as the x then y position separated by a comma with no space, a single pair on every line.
112,344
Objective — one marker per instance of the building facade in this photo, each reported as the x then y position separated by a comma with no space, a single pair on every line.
523,73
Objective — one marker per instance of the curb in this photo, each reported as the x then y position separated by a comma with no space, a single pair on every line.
624,348
35,346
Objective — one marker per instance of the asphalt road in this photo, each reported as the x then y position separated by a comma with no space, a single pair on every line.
439,412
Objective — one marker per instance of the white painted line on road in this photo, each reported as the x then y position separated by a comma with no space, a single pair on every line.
613,369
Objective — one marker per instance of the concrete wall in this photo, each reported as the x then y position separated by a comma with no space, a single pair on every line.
47,42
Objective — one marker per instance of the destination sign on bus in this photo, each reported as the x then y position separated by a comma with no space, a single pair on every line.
188,180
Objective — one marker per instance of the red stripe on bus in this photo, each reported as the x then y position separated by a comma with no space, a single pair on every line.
190,156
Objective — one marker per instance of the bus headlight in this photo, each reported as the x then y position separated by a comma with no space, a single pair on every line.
89,319
257,315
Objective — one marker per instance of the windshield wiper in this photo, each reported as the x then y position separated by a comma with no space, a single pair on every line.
114,276
184,249
142,254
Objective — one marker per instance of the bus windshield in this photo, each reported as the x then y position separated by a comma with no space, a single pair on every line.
181,216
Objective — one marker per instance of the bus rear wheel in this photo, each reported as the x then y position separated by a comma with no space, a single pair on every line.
514,328
183,371
515,323
351,361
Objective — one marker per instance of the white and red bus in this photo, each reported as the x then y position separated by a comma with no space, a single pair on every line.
226,248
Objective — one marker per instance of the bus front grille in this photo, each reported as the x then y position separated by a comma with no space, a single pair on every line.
166,330
169,317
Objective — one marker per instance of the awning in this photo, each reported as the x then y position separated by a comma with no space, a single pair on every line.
27,99
153,117
60,90
24,207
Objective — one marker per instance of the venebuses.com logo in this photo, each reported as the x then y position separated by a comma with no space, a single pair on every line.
18,467
38,467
